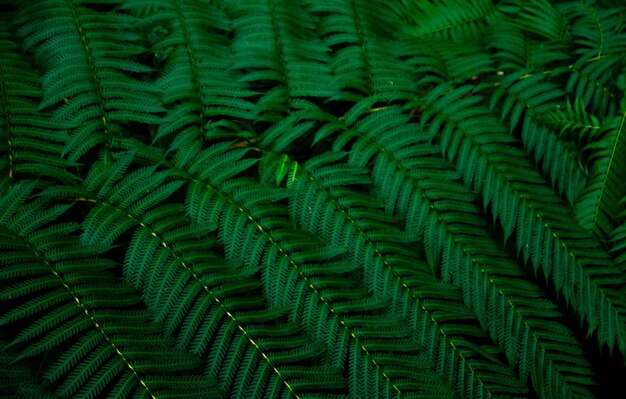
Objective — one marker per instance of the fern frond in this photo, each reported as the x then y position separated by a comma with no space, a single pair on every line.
517,49
276,47
31,142
325,205
196,85
600,42
600,201
595,30
523,98
204,305
449,20
580,126
215,310
591,80
119,199
410,174
88,84
522,93
569,258
539,17
441,61
104,349
304,273
365,58
618,239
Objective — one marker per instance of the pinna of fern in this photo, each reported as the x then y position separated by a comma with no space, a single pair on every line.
105,347
31,141
88,57
447,219
203,302
303,272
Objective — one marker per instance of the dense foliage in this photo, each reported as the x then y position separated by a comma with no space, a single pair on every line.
312,198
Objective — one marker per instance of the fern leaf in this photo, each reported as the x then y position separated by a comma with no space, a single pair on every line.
322,206
442,61
523,97
568,257
200,310
591,80
600,43
539,17
196,72
449,20
365,59
282,67
442,214
117,198
600,201
98,98
99,345
297,254
517,49
31,142
574,121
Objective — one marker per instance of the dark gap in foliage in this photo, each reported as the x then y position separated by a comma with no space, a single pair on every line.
609,368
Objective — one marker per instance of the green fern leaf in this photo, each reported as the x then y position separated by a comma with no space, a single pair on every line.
89,84
600,201
567,256
101,342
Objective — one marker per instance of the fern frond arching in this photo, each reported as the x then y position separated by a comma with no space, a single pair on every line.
104,349
449,20
522,98
31,141
410,185
302,268
88,84
600,201
208,307
365,59
322,206
565,262
196,84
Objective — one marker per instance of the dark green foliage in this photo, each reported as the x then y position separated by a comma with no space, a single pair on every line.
312,198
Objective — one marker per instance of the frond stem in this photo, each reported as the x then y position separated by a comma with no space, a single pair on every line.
363,42
94,73
99,328
290,260
206,289
193,63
